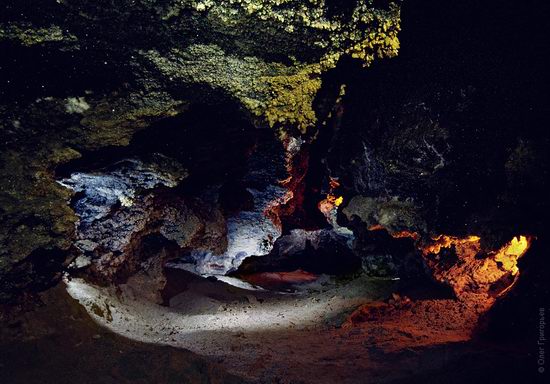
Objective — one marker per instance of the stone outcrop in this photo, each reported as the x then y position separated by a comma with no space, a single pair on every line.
119,207
85,76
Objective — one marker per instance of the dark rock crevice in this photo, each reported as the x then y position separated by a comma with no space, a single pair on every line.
442,124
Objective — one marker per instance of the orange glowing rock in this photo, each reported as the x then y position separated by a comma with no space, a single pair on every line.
376,227
329,205
276,280
509,255
333,200
333,183
406,234
476,270
444,241
397,234
478,277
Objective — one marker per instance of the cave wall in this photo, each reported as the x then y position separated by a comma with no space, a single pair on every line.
78,77
448,137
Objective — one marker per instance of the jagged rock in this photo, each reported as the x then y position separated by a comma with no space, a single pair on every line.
118,207
250,230
102,191
267,54
318,251
392,214
83,76
443,130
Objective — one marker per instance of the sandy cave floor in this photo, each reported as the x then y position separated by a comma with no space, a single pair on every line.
300,337
253,332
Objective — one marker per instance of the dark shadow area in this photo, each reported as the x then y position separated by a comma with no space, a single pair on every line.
456,121
329,257
40,271
47,345
29,73
212,142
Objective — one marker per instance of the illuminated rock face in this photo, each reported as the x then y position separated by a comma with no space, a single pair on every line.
101,73
463,265
412,155
120,205
476,271
102,191
212,230
249,233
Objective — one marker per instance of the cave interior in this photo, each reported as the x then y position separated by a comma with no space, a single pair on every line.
400,237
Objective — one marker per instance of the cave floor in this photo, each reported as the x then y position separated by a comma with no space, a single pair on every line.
304,336
53,340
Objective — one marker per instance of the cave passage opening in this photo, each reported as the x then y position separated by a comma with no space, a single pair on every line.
195,193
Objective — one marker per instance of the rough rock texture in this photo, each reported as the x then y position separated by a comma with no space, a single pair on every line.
45,344
442,153
36,138
391,213
249,232
469,270
318,251
244,200
383,255
119,207
267,54
447,136
82,76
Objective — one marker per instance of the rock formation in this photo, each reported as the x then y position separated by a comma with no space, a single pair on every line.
87,76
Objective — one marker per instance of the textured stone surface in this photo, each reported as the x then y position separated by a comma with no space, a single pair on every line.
267,54
120,206
249,233
36,138
83,76
45,344
391,213
444,125
101,191
316,251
